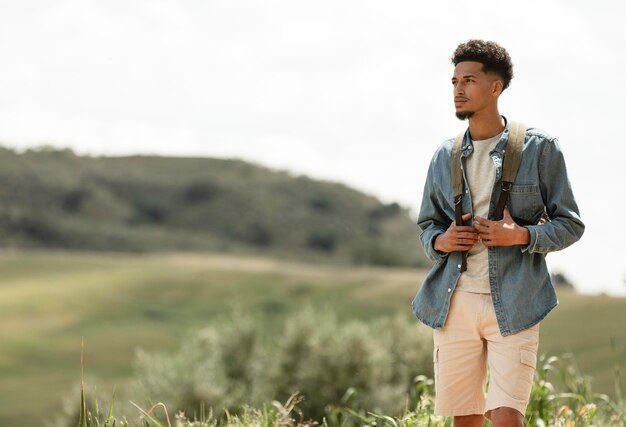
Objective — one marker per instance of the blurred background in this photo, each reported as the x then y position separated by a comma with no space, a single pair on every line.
169,167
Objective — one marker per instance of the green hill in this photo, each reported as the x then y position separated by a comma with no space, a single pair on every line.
56,199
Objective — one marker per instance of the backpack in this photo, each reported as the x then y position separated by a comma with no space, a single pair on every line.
512,158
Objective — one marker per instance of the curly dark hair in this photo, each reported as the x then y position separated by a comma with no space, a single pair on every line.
495,58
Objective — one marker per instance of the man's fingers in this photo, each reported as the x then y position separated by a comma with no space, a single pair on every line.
466,242
465,229
466,236
484,236
466,216
481,222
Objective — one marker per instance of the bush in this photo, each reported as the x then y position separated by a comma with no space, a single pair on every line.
354,364
215,367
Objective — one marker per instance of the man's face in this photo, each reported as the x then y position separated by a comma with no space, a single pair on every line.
474,90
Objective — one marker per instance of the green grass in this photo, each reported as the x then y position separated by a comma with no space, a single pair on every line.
50,301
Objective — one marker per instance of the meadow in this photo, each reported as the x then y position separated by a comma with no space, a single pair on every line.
50,301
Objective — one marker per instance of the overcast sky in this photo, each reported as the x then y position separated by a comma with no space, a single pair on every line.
356,91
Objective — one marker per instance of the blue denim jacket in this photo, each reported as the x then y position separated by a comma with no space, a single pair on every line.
521,289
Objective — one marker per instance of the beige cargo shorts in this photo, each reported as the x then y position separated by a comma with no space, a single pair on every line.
476,368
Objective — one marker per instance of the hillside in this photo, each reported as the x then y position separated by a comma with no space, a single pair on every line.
56,199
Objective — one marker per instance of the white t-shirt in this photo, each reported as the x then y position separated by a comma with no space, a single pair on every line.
481,175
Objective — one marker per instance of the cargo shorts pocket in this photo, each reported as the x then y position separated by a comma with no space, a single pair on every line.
528,357
526,372
436,366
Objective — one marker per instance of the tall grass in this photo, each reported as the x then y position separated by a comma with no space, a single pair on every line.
552,404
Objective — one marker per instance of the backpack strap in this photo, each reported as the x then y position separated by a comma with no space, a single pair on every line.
457,187
512,159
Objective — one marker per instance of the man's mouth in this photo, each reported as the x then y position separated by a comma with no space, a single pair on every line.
459,101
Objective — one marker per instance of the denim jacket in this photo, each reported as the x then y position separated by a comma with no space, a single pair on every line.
521,289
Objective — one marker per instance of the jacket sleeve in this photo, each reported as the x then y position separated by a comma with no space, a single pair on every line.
565,226
432,219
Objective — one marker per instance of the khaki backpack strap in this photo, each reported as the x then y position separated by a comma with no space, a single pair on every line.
455,166
513,153
457,188
512,159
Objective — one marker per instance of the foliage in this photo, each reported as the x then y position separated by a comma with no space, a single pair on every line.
353,364
562,395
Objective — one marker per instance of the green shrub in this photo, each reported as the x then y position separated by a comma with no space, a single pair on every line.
216,367
354,364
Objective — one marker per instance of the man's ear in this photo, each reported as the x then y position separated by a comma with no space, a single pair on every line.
498,87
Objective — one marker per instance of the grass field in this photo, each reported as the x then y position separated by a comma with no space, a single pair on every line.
50,301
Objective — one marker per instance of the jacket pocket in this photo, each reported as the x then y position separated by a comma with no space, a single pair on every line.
525,202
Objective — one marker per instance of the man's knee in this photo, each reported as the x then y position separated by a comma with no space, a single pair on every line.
506,417
468,421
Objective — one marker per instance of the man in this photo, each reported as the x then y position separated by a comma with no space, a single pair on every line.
486,310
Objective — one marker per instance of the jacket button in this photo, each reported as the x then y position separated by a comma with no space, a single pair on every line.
458,266
449,290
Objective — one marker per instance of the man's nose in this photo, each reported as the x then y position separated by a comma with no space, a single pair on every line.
458,88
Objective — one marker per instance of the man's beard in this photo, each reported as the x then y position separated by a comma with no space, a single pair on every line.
462,115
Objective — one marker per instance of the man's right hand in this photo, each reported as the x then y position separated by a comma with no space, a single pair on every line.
457,238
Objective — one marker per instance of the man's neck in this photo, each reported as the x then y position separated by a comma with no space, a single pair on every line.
486,125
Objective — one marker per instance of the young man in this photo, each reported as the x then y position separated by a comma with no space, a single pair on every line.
486,309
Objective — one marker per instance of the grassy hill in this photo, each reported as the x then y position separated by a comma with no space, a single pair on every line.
55,199
50,301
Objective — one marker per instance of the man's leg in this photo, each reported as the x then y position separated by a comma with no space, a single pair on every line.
469,421
506,417
512,360
460,362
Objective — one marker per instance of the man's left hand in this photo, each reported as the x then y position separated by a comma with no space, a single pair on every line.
501,233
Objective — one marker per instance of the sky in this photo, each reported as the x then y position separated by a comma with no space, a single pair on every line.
356,91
